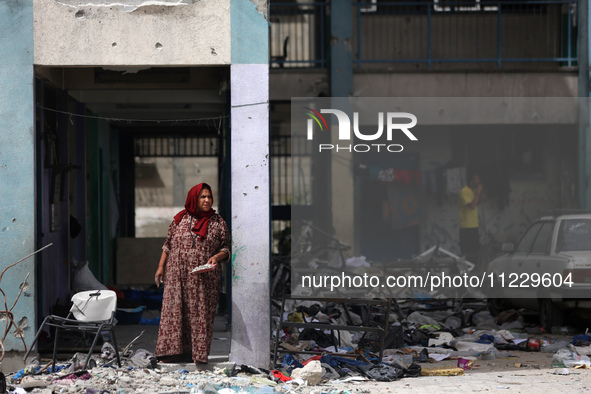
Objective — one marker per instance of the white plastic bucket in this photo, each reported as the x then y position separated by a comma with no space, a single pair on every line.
94,305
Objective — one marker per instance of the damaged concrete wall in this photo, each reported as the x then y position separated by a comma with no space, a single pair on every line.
17,165
124,5
124,32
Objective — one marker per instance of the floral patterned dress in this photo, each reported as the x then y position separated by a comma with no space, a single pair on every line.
190,300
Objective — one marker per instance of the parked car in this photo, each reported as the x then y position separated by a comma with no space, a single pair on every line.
549,270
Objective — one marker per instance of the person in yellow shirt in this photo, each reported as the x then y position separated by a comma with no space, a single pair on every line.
469,198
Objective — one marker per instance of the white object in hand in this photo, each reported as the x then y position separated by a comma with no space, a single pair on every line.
203,268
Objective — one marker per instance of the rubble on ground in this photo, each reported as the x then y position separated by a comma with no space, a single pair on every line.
419,338
425,339
168,378
424,343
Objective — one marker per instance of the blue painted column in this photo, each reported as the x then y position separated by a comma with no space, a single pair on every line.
249,139
17,164
341,51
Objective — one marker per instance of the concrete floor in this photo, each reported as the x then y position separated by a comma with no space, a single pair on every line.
220,344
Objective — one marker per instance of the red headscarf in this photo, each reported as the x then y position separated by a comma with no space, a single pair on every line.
202,222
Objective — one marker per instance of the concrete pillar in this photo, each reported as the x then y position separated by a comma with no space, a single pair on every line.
584,111
17,165
249,86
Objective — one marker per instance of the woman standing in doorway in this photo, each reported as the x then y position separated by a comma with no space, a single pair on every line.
197,236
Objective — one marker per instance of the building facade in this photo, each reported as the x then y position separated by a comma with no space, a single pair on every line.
88,89
437,49
95,93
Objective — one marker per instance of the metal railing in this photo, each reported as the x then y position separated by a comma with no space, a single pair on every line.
466,32
430,32
290,161
177,146
297,35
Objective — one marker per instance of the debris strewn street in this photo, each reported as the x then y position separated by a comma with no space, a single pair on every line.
481,354
519,371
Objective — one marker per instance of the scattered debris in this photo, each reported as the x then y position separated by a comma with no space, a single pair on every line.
442,371
418,334
311,373
561,371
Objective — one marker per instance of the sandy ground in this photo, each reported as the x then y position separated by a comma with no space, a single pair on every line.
534,375
527,381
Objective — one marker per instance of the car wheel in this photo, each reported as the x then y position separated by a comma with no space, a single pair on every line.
550,315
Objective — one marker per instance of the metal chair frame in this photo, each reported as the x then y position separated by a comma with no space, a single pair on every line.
70,324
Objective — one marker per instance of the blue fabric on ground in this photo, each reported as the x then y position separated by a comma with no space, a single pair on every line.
29,371
486,339
150,322
335,361
290,361
581,337
151,299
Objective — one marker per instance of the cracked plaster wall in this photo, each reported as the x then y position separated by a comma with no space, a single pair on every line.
262,6
125,32
17,167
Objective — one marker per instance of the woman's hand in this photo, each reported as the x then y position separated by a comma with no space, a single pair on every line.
159,277
213,260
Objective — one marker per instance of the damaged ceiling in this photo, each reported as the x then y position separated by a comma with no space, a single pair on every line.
124,5
145,93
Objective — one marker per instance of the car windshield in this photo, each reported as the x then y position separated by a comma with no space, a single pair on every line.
574,235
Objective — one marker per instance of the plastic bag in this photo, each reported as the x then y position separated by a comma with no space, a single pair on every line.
84,279
569,359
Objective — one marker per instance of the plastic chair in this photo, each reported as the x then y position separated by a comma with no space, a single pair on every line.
92,311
